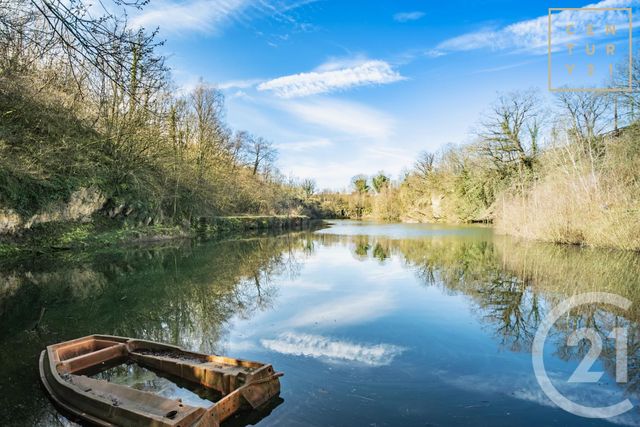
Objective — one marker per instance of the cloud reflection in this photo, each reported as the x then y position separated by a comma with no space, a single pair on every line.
328,349
350,310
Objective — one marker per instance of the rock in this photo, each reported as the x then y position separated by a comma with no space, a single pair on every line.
436,205
10,222
81,205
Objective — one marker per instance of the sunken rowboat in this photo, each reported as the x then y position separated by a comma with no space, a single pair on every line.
64,370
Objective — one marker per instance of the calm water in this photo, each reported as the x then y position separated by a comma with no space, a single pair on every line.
372,324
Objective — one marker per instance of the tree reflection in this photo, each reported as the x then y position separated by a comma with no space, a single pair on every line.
361,251
380,252
514,284
181,295
508,304
187,295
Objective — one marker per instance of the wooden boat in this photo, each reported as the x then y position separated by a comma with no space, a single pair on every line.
241,384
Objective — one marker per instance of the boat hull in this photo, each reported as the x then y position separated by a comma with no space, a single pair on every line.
241,384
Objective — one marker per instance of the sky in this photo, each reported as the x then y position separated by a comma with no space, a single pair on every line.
344,87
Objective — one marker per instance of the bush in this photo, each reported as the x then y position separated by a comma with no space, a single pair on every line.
580,200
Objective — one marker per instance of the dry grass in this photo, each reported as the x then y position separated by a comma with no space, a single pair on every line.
579,200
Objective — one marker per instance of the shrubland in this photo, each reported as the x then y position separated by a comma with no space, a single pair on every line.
565,173
91,124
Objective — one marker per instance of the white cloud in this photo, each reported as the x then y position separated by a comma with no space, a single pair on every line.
337,63
238,84
408,16
240,94
532,35
210,16
194,15
329,80
238,346
342,116
332,350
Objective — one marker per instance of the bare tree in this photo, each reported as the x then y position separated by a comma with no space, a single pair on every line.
237,146
308,187
629,105
589,113
207,106
425,164
510,136
67,29
261,154
179,135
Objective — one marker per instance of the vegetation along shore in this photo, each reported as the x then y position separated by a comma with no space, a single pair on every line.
95,136
563,171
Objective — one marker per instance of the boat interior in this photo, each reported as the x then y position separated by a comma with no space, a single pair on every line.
221,385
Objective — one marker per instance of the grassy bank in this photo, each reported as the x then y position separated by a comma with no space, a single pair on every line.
214,226
92,128
102,233
580,199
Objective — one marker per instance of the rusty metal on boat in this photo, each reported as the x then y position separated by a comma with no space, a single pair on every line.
241,384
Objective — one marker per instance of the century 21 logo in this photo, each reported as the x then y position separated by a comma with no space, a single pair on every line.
590,49
582,374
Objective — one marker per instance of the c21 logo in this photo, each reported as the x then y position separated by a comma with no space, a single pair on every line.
582,373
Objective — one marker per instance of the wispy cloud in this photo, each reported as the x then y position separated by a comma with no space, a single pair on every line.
532,35
332,350
304,145
371,72
238,84
408,16
240,94
508,66
343,117
193,15
334,63
210,17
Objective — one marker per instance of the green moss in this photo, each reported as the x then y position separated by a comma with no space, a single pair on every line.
8,250
78,234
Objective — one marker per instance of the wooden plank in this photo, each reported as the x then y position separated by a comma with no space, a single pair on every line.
88,360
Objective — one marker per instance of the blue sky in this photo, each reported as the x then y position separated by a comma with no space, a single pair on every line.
346,87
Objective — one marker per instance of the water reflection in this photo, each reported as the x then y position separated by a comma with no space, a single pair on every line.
402,301
141,378
514,283
184,295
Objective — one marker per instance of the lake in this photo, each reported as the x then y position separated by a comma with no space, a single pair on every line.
372,324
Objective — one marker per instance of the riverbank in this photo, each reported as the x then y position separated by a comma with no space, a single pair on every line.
606,227
66,236
405,286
